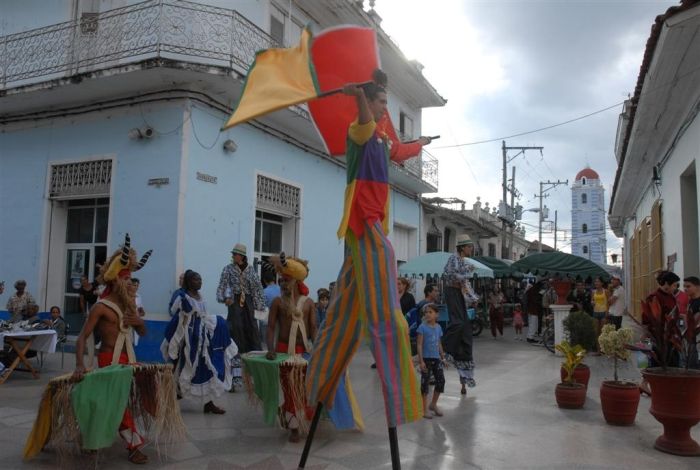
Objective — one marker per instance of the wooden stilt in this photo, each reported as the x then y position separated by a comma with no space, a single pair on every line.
394,446
310,436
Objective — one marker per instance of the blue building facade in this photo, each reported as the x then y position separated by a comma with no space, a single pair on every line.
109,123
588,217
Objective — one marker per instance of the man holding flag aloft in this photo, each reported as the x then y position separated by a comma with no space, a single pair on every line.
366,296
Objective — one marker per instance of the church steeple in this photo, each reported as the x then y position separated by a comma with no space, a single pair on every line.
588,217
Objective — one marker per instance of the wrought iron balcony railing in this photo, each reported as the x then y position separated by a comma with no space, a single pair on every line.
154,28
424,167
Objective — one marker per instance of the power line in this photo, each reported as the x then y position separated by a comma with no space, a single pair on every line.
534,130
673,81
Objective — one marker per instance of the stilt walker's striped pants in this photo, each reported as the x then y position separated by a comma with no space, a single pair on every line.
365,296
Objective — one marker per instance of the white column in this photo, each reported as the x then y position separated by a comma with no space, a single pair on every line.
560,312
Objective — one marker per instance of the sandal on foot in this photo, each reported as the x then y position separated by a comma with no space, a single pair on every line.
435,410
294,436
463,391
210,407
137,457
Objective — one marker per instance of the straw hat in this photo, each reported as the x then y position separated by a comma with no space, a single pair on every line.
240,249
464,239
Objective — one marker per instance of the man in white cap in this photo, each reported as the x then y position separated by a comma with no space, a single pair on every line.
240,289
458,294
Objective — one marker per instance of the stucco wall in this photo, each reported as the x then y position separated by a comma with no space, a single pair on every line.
148,213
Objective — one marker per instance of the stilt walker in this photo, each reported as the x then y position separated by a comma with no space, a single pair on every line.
365,297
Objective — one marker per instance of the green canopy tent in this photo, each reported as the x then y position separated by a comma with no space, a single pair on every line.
433,264
500,268
558,264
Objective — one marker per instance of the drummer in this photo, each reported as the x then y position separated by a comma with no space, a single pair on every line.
294,313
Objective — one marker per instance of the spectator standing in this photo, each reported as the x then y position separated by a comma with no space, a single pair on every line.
240,289
19,303
518,322
405,297
599,297
667,285
533,308
271,291
324,298
617,302
88,294
580,298
432,359
496,300
431,295
691,285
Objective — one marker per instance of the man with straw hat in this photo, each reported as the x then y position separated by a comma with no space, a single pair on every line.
458,295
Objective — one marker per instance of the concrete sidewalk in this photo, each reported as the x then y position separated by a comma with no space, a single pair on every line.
510,420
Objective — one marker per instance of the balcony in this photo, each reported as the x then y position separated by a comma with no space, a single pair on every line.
169,29
420,173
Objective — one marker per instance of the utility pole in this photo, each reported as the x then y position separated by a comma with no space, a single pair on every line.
555,230
505,220
546,186
512,211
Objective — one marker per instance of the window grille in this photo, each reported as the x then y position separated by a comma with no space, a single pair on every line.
81,179
278,197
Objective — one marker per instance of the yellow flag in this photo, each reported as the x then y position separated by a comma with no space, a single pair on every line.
278,78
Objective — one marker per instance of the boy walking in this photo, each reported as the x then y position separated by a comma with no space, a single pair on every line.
431,357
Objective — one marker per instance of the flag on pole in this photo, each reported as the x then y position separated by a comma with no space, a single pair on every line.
278,78
342,55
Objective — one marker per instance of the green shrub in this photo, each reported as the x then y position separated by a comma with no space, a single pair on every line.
580,329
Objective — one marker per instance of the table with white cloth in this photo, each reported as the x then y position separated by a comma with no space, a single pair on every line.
21,342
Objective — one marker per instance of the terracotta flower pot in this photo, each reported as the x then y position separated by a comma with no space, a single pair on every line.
582,374
562,287
570,396
675,403
619,401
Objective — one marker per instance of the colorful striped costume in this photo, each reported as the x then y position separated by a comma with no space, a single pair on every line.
366,294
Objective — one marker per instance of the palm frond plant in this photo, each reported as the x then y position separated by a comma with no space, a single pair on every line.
573,356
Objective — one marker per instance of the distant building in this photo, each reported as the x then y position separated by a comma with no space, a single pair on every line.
588,217
445,218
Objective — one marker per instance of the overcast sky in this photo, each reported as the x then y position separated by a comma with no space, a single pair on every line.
507,67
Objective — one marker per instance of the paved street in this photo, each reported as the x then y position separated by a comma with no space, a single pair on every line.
510,420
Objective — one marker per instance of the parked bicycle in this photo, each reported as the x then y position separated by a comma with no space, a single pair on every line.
480,321
546,338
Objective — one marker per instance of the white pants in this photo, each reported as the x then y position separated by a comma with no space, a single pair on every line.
532,326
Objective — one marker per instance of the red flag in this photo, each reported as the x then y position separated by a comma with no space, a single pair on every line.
341,55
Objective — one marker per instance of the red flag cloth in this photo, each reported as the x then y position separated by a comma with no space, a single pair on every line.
343,55
340,55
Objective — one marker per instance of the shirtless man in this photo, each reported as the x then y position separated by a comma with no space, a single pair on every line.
281,312
295,314
118,299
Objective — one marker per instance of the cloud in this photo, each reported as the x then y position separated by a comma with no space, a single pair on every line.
512,66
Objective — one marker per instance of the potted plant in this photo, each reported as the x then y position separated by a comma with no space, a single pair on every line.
579,329
675,392
618,398
568,393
